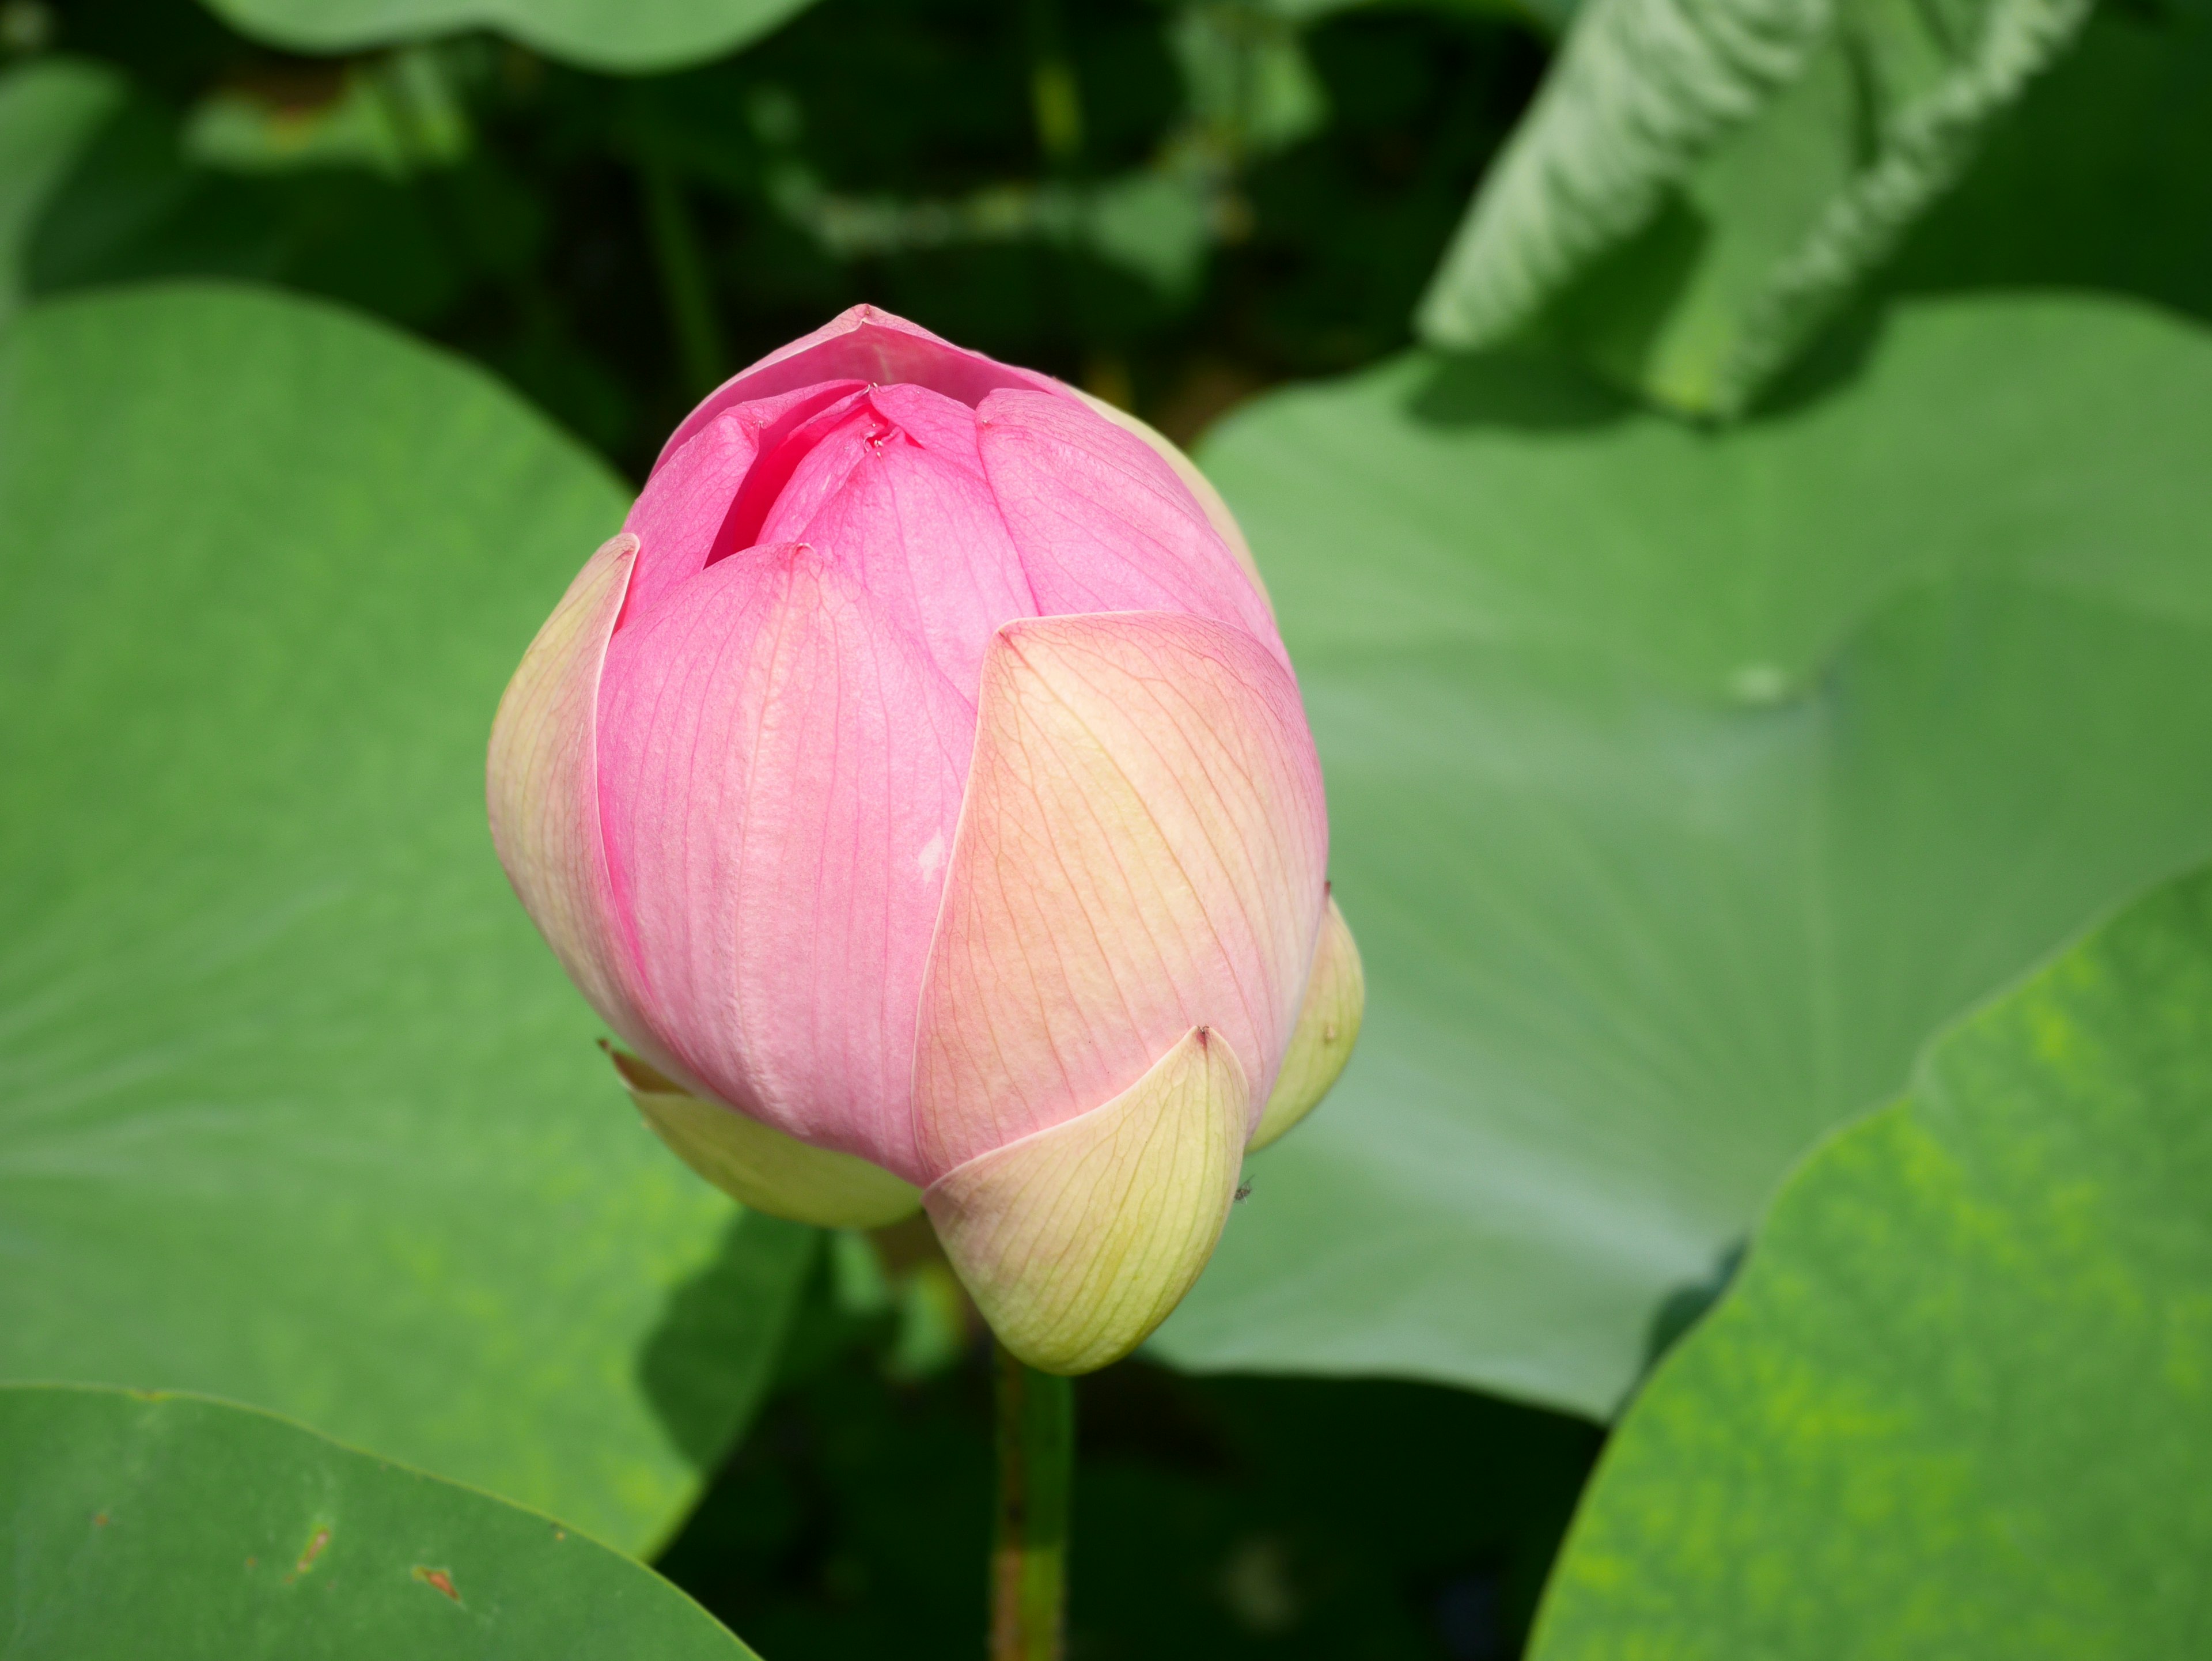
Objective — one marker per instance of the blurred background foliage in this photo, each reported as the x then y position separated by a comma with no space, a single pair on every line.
1854,351
1172,206
1233,1516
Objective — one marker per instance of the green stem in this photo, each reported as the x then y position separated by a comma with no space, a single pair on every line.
684,284
1055,103
1028,1555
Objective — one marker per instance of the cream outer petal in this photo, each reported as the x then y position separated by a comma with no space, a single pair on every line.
1078,1241
1328,1026
759,1166
542,794
1141,850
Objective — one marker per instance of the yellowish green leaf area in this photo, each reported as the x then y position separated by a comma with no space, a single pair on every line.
1682,783
607,34
142,1525
1956,1405
295,1108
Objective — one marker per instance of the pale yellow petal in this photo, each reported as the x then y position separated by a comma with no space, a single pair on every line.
1076,1241
1328,1026
761,1167
1141,850
542,790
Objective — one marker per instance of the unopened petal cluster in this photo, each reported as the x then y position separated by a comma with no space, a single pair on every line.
919,787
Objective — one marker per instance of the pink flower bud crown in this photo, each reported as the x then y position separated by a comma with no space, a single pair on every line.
919,787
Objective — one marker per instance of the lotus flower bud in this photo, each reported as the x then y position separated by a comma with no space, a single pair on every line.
919,787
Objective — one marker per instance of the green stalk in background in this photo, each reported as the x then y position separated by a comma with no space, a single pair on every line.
1055,99
1029,1548
685,286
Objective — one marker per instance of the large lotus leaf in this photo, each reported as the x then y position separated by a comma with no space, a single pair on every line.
607,34
295,1107
1700,182
1681,784
142,1525
1957,1404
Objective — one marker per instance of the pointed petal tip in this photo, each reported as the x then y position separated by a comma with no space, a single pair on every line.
866,344
1077,1241
761,1167
1328,1026
1160,767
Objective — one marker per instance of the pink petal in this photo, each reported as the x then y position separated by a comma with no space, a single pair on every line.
682,518
1103,522
865,344
1209,500
772,478
915,527
943,426
780,775
1141,852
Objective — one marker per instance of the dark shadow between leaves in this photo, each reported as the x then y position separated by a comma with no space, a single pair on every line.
1576,365
127,186
1525,388
2095,183
1685,1306
710,1356
1837,357
133,207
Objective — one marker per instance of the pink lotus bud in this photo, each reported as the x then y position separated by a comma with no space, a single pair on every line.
918,784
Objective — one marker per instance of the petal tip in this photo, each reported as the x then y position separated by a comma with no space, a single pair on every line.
1328,1027
1077,1241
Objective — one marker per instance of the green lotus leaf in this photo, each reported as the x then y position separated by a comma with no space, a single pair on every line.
141,1525
630,35
295,1108
1956,1404
1682,783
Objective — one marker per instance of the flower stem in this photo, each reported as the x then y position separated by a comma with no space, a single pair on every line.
1028,1553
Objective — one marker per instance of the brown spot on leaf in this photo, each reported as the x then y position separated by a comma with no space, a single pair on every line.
309,1553
438,1579
99,1519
